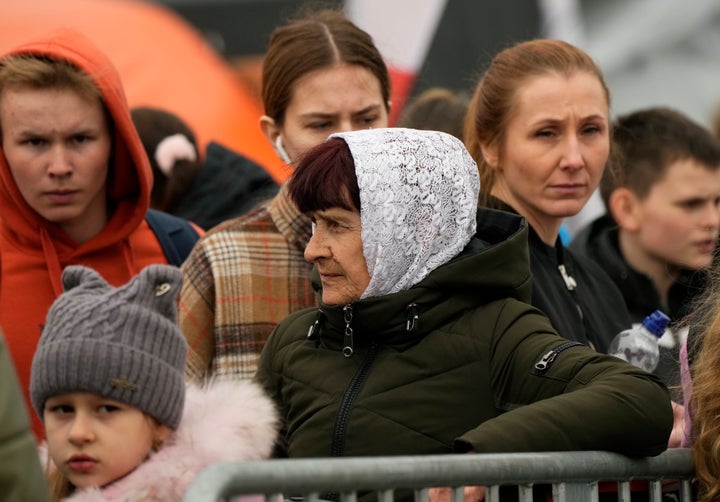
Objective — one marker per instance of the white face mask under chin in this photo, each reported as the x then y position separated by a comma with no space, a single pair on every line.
281,150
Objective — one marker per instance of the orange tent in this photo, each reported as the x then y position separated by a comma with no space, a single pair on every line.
164,62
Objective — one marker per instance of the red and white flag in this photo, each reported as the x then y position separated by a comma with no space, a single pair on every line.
403,31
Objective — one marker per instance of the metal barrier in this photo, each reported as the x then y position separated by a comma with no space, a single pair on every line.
574,476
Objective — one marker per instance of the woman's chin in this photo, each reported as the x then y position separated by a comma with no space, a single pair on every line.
329,298
332,298
567,208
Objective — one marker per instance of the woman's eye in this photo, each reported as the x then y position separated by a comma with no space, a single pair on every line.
107,408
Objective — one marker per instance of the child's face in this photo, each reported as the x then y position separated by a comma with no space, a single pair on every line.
679,220
94,441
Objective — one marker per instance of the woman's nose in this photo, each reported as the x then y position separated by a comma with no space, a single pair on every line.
316,247
572,153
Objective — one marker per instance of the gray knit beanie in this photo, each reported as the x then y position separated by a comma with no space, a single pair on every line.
120,343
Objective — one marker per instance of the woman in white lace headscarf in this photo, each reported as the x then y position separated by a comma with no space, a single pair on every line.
418,193
424,341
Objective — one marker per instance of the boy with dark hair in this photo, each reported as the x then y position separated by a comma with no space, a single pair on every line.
661,227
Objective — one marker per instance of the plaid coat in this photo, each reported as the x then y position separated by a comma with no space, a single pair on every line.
244,277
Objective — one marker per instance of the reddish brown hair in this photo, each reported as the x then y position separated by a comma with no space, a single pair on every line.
325,178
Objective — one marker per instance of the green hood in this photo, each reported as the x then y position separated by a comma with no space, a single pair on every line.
495,265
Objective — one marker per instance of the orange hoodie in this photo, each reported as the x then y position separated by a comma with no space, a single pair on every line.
34,251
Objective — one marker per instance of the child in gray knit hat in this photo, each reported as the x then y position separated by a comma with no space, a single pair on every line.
107,381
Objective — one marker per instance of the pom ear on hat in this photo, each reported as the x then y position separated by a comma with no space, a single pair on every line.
74,275
120,343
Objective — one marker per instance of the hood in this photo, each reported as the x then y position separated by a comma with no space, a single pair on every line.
495,265
130,177
222,422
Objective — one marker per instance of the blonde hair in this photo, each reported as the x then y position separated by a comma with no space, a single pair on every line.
59,485
705,400
39,72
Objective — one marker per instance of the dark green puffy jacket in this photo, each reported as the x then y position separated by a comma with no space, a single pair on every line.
458,362
21,476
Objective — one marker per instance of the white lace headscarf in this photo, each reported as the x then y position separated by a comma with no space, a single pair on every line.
418,198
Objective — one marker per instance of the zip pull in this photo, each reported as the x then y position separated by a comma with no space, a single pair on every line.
547,360
570,283
348,349
413,317
314,330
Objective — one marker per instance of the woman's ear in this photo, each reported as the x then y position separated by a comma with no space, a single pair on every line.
272,133
624,207
269,128
491,155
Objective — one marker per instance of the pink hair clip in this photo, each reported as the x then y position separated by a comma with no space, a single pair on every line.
172,149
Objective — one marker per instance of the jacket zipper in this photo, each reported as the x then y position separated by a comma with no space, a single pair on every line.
337,448
543,365
570,282
349,347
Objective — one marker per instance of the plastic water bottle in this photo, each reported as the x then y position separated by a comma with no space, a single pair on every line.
639,344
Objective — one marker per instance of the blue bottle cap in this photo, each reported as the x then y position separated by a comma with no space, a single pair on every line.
656,323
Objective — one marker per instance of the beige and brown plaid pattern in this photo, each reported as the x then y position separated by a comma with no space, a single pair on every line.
242,279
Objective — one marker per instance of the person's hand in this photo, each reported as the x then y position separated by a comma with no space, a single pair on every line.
444,494
678,430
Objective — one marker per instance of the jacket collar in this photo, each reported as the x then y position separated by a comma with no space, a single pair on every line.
494,265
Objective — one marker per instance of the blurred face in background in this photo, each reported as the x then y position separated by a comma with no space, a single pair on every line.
338,98
678,221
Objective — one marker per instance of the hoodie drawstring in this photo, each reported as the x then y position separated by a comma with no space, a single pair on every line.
129,256
52,260
55,269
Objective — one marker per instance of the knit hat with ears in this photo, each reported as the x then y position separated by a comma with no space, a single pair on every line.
120,343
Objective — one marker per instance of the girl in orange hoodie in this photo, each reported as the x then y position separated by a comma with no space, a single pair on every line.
75,182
